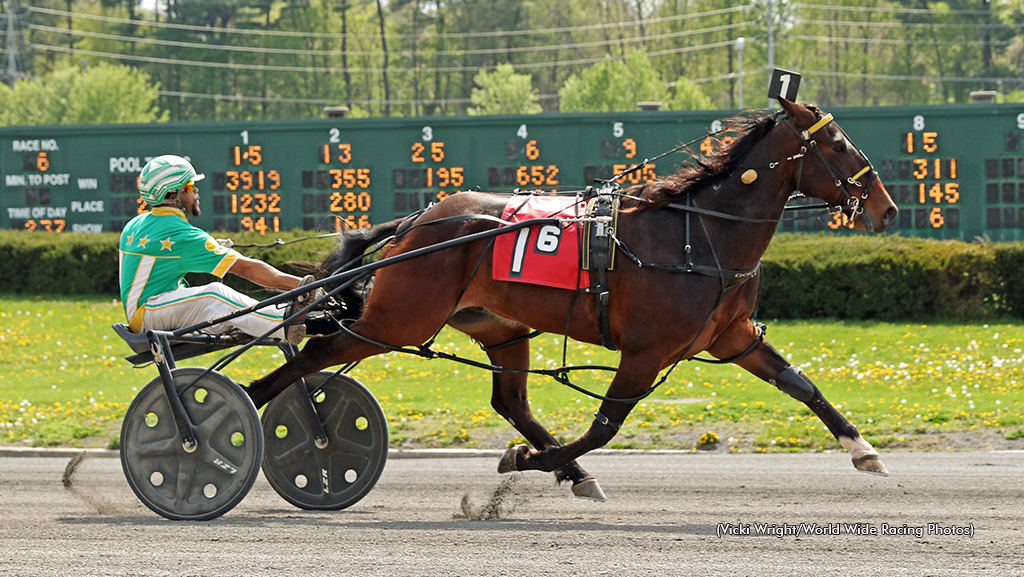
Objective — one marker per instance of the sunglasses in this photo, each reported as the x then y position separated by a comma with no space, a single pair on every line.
191,187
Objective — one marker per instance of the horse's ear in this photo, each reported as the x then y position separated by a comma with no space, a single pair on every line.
795,110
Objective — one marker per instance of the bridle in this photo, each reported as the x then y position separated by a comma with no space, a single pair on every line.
847,201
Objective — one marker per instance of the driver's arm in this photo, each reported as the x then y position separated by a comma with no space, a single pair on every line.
263,274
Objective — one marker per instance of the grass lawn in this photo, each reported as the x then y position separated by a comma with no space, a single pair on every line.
63,382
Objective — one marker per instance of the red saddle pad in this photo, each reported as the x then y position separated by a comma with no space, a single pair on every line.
547,255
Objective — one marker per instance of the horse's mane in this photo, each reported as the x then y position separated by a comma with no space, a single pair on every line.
706,169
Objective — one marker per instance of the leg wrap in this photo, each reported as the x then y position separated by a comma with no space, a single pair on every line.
607,424
792,382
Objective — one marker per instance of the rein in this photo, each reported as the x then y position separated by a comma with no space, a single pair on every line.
845,201
280,242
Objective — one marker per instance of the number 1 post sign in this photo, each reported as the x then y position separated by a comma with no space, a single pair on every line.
783,83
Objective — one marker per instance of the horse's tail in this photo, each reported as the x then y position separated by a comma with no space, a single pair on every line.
355,244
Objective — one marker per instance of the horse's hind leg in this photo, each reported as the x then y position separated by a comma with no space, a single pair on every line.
634,376
508,394
766,363
321,352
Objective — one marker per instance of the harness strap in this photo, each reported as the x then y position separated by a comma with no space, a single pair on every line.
846,200
511,342
857,176
723,215
560,374
724,274
825,120
762,330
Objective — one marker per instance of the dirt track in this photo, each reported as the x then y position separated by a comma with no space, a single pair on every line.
666,515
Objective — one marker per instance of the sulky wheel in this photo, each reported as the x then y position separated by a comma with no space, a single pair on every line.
309,474
209,481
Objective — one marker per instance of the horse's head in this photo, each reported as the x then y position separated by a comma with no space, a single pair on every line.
834,170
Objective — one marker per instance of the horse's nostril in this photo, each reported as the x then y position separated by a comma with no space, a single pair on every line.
890,214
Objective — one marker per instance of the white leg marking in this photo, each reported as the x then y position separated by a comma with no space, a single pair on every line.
858,447
864,456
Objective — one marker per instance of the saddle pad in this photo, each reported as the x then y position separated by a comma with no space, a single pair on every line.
547,255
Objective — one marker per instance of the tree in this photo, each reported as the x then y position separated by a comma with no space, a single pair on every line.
104,93
503,92
30,102
686,96
265,59
616,85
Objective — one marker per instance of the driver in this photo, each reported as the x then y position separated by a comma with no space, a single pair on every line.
160,246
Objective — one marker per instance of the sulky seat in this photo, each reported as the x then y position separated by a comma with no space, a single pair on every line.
182,347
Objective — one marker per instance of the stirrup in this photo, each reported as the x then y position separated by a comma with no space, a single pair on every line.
309,296
295,332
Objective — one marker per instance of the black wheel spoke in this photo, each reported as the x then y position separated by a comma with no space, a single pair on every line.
160,448
348,447
296,454
216,418
186,472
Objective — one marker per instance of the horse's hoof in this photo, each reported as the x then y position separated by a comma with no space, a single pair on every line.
871,464
589,489
508,460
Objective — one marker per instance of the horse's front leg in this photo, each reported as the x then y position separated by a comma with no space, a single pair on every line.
633,377
766,363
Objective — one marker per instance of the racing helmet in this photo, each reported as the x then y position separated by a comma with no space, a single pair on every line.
163,175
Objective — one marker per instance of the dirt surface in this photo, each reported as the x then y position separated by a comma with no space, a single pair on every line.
667,514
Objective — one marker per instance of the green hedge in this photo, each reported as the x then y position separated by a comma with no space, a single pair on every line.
86,264
48,263
888,277
805,276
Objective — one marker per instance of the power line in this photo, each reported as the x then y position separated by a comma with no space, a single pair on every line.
314,101
890,10
331,52
959,79
352,70
889,41
847,23
305,35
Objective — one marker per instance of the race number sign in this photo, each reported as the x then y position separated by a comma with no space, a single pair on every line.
784,83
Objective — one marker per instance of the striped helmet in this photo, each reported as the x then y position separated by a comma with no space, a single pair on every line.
163,175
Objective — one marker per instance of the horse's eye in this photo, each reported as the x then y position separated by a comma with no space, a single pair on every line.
840,147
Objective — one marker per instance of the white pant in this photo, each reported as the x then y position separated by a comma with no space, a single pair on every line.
193,305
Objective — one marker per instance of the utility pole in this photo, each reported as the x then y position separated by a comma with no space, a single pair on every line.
771,46
771,37
12,73
739,59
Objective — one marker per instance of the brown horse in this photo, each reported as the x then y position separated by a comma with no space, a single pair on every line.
721,212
